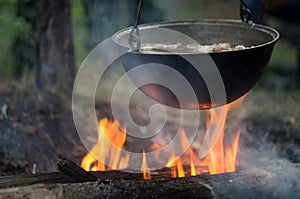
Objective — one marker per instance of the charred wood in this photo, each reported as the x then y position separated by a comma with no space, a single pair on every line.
72,170
248,183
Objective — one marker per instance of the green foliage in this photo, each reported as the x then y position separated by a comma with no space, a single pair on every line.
79,31
17,16
11,27
284,54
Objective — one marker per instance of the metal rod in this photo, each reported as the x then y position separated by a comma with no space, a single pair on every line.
245,13
134,36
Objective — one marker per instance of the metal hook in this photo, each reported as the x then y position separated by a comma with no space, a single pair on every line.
245,13
134,36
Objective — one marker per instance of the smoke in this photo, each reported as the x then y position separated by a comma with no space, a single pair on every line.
269,155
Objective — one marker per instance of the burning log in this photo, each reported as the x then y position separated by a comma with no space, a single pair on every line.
265,182
74,171
242,184
71,173
167,188
69,177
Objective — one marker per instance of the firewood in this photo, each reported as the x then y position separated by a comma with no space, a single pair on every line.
166,188
25,180
252,183
56,177
71,169
272,181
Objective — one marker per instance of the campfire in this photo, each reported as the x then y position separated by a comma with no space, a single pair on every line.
221,159
136,103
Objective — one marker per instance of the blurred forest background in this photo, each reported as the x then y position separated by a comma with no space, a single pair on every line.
43,43
93,21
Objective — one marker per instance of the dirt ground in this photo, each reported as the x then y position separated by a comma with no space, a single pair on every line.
34,128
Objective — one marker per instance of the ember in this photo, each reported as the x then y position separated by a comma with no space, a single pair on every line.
221,159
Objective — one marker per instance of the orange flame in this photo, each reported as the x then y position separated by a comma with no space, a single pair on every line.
222,158
107,152
146,173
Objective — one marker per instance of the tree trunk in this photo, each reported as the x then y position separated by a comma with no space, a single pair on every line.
24,48
55,49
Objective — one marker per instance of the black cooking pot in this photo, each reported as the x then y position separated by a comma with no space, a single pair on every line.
239,70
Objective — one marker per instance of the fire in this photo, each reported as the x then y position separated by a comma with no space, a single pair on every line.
108,132
111,140
146,173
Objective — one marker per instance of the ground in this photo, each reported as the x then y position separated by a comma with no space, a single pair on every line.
37,128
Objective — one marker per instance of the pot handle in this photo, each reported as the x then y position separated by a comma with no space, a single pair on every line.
134,37
245,13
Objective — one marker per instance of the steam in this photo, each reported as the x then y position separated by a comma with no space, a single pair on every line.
274,176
